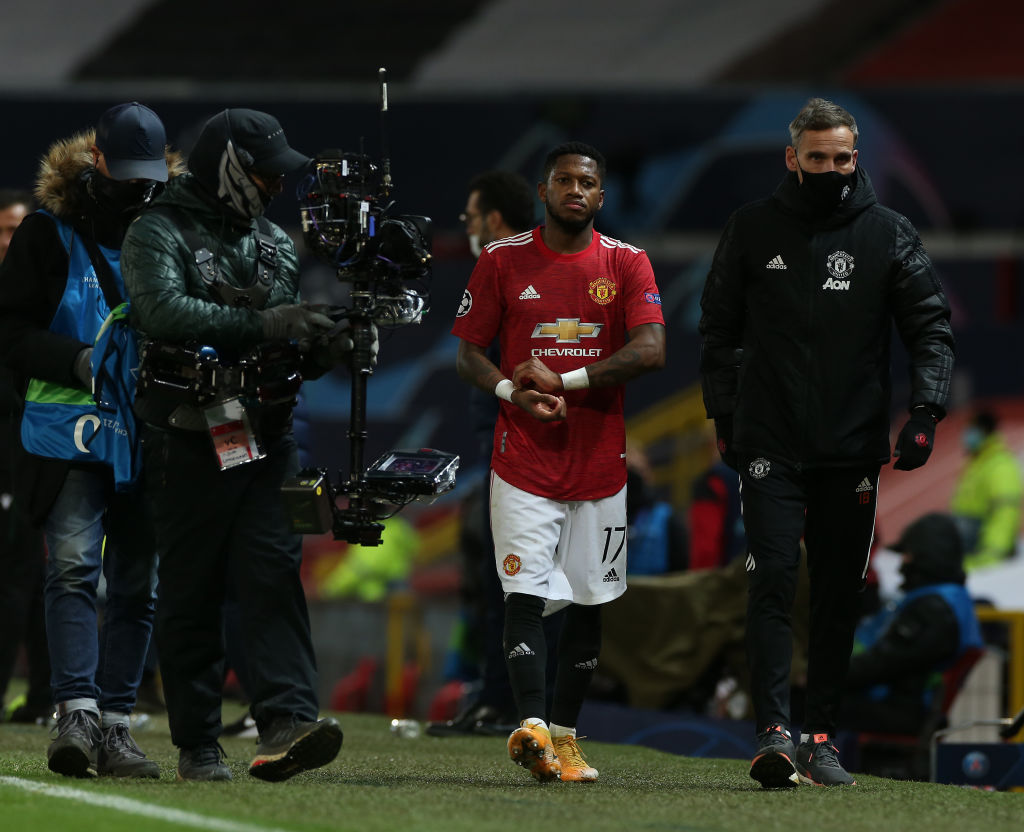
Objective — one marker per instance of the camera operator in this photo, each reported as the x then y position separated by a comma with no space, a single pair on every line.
207,271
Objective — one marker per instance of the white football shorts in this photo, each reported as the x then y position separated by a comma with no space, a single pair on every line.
566,552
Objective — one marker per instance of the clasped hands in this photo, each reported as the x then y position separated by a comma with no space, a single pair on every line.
535,385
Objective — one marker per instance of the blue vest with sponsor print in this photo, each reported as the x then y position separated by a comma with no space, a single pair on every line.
63,422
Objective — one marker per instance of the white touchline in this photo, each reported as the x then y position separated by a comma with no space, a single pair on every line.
136,807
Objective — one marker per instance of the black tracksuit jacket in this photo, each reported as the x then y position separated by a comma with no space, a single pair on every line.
796,325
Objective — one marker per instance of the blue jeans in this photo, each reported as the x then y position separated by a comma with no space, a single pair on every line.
102,665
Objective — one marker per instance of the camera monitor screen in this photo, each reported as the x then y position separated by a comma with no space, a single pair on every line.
402,464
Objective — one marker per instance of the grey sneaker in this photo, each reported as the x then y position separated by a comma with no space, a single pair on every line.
203,762
817,763
119,756
290,746
73,752
772,767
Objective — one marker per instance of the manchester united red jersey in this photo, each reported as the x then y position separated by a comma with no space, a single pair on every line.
568,310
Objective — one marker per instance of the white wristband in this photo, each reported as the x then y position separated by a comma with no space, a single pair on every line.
576,379
503,389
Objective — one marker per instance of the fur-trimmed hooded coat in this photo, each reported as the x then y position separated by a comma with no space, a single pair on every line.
33,277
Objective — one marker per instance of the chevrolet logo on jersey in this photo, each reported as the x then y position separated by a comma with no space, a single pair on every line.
567,330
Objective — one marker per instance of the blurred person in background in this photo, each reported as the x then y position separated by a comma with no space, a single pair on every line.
900,652
987,500
656,538
58,282
14,207
797,310
22,550
715,522
578,315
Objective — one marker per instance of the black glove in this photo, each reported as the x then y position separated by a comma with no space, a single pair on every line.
293,321
916,440
83,367
334,350
723,435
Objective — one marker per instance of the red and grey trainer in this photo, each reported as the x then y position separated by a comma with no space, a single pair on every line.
817,763
574,764
291,745
773,767
531,747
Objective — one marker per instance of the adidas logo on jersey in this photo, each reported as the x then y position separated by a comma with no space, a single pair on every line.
590,665
865,485
521,649
611,576
750,562
529,293
776,263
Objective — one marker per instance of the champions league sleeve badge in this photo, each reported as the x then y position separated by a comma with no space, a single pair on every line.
465,304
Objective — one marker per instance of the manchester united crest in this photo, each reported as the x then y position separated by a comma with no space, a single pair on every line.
759,468
512,564
840,264
602,291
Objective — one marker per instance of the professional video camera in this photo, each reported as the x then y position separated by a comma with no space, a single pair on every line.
345,204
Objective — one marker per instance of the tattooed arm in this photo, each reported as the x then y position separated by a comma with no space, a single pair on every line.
643,352
475,367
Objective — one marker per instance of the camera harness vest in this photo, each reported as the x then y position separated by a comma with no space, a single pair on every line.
252,296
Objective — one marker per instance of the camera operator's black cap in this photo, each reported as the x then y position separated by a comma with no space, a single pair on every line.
259,135
132,139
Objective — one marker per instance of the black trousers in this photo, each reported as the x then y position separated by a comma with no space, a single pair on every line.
833,509
219,529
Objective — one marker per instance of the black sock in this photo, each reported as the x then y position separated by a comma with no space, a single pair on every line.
525,653
578,648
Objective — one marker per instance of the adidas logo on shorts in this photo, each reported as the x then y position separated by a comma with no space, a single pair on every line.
521,649
611,576
589,665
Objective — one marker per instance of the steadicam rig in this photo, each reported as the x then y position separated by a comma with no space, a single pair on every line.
344,203
344,206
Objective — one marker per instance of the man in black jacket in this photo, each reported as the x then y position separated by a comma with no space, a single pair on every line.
797,311
209,275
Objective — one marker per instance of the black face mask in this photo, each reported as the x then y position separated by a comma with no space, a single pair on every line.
823,192
121,199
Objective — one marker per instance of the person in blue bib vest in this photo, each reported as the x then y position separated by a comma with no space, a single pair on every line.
58,282
901,651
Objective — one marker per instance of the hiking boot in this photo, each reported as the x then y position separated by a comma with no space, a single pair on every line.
530,746
772,767
73,752
290,746
571,759
817,763
203,762
119,756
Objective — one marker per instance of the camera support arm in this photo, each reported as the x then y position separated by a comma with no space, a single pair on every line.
359,521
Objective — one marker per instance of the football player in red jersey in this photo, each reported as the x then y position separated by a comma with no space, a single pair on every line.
577,314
